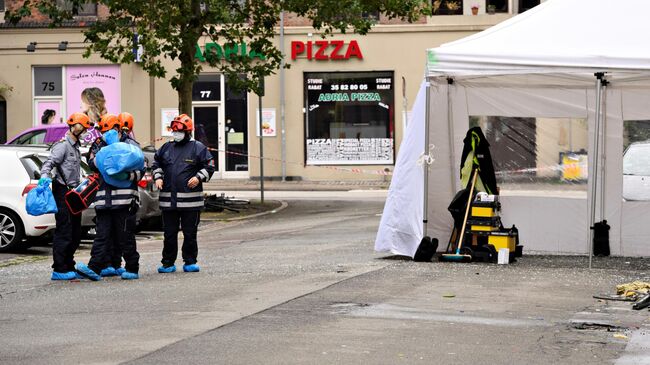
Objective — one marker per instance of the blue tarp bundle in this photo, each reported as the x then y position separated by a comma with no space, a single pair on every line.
118,157
40,200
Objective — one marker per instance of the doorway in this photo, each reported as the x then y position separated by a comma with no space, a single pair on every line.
223,139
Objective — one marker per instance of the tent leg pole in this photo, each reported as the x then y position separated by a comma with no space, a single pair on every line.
425,165
595,158
450,127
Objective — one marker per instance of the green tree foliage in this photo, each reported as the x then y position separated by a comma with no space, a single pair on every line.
171,29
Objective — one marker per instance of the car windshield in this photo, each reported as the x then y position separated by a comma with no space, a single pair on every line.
636,160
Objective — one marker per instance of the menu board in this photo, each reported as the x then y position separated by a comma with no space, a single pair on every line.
350,151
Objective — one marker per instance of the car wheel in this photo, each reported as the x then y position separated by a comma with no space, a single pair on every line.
11,231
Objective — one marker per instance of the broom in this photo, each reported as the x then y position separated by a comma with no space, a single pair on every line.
457,257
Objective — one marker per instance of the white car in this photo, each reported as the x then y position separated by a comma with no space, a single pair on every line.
636,171
19,174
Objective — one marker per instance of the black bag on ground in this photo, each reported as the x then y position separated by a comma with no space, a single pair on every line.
601,238
426,249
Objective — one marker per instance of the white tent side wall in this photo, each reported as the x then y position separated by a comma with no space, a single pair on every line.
553,222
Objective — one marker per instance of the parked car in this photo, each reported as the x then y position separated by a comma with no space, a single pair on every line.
20,174
48,134
636,171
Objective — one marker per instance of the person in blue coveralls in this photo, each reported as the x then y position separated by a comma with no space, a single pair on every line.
114,208
180,168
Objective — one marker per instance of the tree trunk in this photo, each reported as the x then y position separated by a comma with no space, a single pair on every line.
185,97
189,69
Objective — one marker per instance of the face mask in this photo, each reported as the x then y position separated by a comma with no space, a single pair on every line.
178,136
83,136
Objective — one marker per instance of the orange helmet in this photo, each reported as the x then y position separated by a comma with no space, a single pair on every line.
79,118
126,121
108,122
182,123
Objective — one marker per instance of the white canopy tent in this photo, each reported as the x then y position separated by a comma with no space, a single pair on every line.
585,60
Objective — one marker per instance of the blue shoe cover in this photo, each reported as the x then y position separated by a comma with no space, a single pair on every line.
191,268
130,275
70,275
87,272
109,271
167,269
119,271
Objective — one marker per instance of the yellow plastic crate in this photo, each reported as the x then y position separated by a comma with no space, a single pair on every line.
483,228
484,212
502,240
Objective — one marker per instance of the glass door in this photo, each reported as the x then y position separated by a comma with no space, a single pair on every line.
209,130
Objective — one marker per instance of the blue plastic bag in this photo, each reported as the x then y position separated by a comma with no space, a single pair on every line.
118,157
40,200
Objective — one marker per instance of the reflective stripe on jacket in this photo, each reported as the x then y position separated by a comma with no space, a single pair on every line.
176,163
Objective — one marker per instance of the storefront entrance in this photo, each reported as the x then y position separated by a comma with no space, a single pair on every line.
224,142
221,125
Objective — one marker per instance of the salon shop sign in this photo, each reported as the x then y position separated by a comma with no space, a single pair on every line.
326,50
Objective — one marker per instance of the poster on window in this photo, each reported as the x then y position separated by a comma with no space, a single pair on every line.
268,122
104,77
166,117
350,118
48,112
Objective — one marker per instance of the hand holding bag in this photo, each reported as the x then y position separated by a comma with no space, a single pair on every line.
40,200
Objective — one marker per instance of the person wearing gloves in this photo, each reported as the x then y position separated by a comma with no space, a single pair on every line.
64,163
113,206
180,168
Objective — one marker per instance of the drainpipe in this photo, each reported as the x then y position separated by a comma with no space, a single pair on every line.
282,101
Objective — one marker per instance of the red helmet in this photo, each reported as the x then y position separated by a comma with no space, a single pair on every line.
126,121
108,122
79,118
182,123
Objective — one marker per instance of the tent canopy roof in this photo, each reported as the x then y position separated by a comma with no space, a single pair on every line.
558,37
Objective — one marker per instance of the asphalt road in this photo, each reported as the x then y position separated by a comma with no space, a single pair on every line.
303,286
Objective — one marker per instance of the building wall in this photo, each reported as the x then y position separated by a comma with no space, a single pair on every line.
397,48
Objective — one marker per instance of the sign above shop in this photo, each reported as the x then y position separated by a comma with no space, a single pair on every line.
224,52
326,50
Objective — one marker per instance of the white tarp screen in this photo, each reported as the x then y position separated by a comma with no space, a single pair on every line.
400,230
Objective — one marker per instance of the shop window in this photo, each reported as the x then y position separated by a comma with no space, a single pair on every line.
236,130
500,6
372,15
447,7
527,4
636,160
86,9
540,154
349,118
48,91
